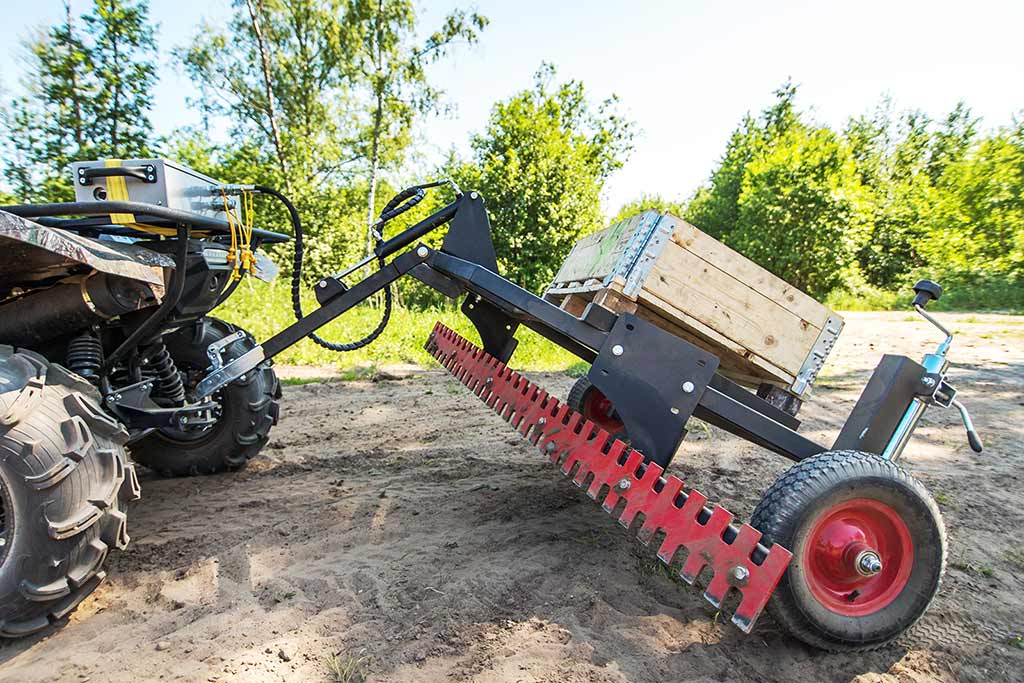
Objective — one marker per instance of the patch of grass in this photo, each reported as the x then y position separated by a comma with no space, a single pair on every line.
577,369
347,669
941,498
1015,557
1017,642
971,568
264,309
961,292
358,372
299,381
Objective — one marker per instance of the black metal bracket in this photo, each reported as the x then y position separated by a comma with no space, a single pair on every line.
895,382
136,410
496,329
653,381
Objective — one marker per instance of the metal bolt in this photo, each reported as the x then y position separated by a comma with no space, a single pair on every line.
183,420
928,381
623,484
473,195
617,350
3,542
869,563
322,284
110,399
739,574
422,252
117,396
489,381
550,448
541,422
688,387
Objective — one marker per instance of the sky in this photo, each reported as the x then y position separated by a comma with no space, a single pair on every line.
685,72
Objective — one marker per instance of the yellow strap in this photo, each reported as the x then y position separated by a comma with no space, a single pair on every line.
117,191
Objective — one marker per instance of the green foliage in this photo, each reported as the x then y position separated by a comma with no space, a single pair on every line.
979,225
540,166
799,210
646,202
857,217
86,96
787,195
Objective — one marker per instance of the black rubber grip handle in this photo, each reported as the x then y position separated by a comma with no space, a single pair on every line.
975,441
146,174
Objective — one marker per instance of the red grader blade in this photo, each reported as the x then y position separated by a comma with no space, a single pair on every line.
616,477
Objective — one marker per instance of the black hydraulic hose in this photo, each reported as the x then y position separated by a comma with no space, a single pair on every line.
297,282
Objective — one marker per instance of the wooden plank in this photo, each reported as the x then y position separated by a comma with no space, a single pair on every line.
573,304
737,363
614,301
691,285
673,320
596,255
749,273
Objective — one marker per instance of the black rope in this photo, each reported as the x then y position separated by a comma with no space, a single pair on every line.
297,283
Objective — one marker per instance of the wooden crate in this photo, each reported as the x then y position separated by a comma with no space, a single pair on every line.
668,272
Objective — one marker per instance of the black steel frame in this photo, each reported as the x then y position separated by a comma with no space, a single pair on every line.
656,380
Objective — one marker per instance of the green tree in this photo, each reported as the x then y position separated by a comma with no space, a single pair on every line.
647,202
122,51
391,80
715,207
86,94
799,210
980,218
787,195
540,166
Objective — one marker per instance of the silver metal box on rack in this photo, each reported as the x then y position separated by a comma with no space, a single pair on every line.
150,181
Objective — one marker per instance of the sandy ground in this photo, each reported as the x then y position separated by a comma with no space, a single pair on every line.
402,532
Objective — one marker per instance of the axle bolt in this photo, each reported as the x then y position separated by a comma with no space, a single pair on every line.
617,350
688,387
868,563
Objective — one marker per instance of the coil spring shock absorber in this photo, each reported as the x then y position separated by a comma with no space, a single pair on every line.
167,383
85,356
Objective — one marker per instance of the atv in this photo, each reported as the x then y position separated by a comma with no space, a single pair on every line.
104,332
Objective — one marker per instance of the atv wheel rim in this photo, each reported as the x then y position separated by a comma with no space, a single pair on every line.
842,555
599,410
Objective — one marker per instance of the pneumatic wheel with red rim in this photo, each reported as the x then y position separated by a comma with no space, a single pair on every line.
588,401
868,544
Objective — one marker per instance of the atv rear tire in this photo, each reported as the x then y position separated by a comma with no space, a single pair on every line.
868,544
248,409
64,481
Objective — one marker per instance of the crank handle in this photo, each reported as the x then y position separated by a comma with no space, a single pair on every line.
972,436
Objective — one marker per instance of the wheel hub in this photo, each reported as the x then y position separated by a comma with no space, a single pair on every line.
858,557
599,410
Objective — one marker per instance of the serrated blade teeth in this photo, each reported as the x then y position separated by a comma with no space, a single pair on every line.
681,515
